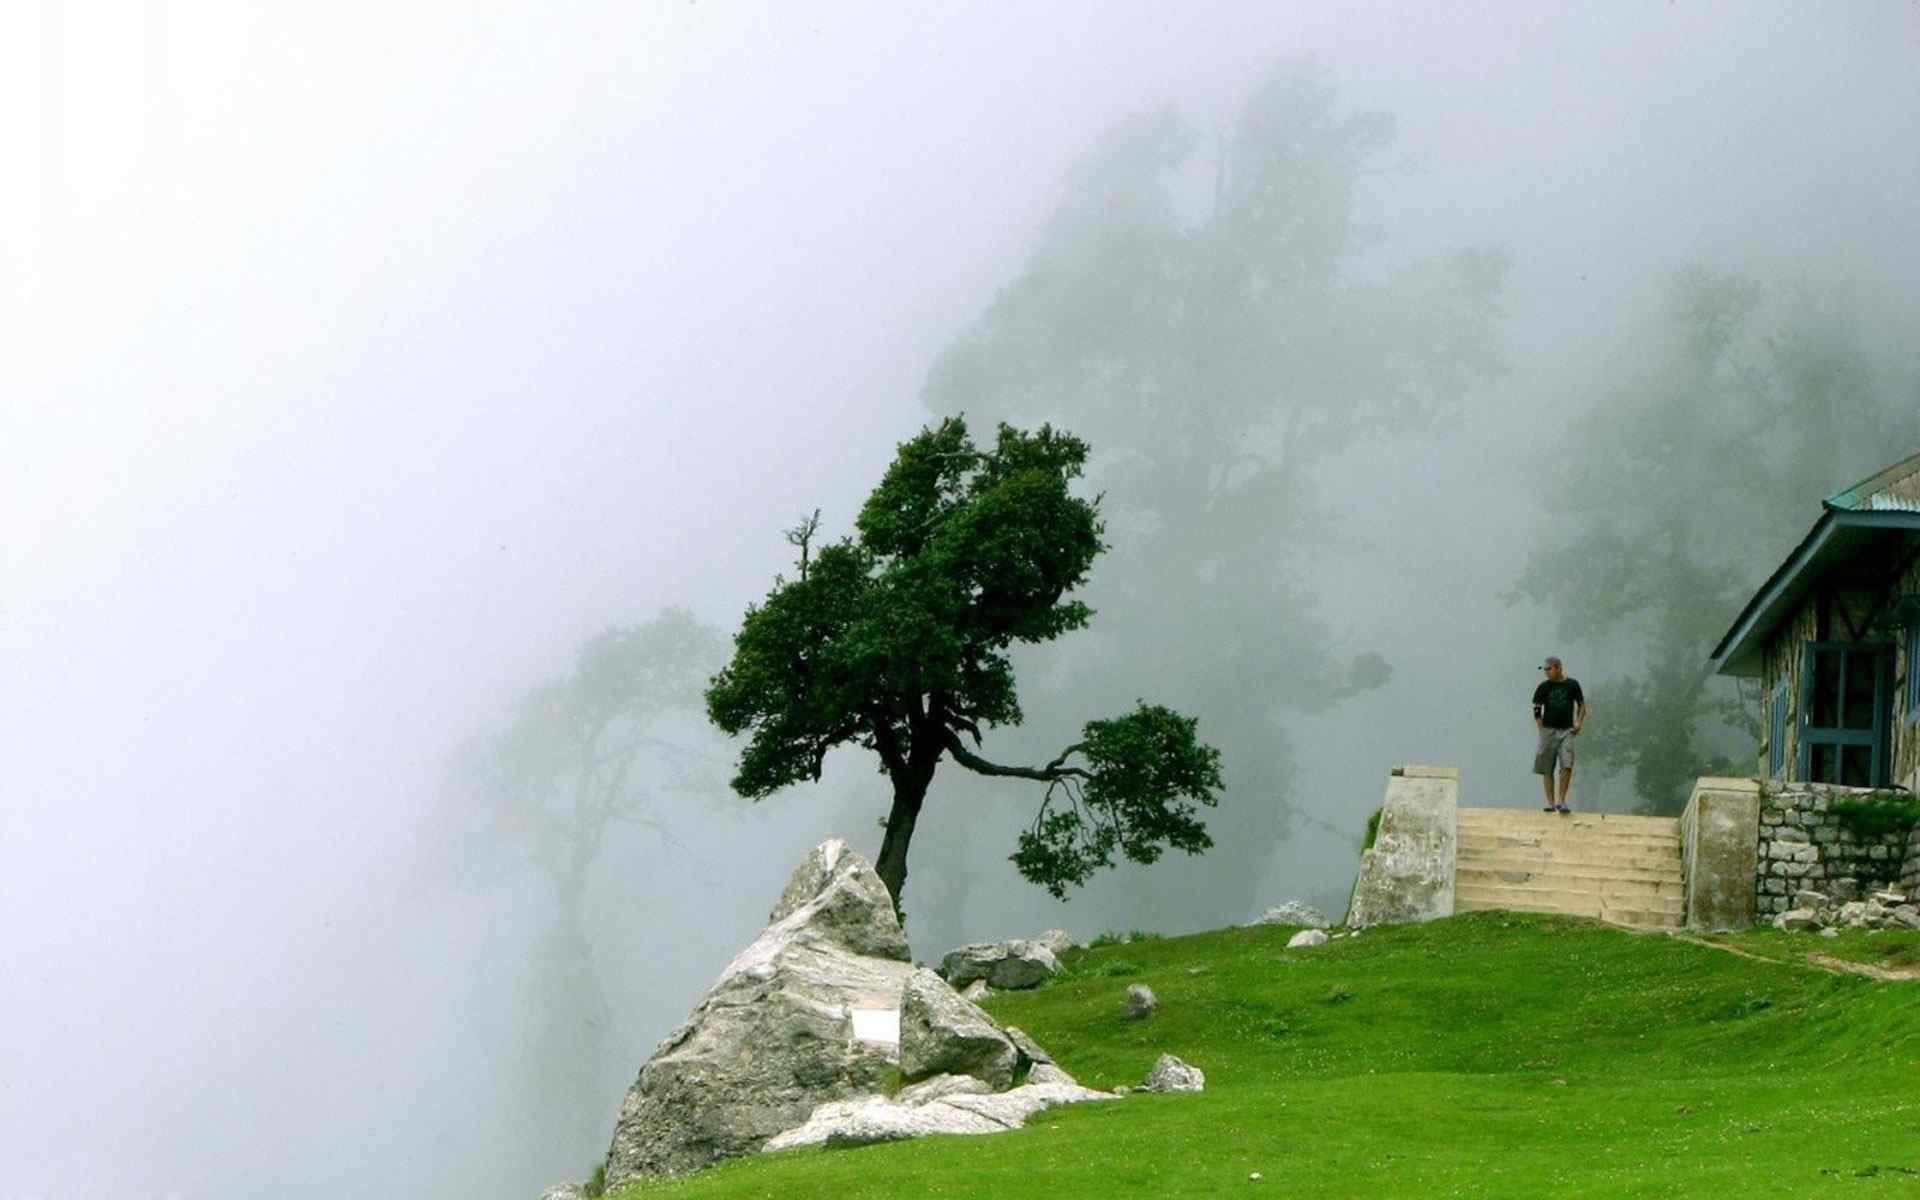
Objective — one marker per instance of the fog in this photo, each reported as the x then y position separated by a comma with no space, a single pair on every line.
361,362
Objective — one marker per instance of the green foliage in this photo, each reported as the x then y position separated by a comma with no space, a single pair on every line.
1703,456
1373,829
1148,773
897,641
596,1185
1569,1058
1877,814
1114,937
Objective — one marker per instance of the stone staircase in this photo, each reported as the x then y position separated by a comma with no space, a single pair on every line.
1618,868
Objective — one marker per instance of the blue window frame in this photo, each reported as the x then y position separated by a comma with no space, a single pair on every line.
1913,674
1845,713
1777,731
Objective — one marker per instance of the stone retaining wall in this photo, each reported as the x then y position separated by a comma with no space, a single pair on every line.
1910,874
1804,846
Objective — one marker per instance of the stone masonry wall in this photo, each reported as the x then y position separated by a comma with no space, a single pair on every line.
1802,846
1910,874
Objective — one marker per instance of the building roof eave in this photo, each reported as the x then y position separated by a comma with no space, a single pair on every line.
1740,651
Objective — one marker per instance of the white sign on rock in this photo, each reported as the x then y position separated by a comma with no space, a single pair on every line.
878,1025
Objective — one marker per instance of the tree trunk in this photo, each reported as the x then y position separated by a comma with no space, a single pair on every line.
908,794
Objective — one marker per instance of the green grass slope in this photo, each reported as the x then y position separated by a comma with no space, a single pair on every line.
1488,1055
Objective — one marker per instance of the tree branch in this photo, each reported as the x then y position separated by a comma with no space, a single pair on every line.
1053,772
801,536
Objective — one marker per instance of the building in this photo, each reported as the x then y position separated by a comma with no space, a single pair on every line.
1834,636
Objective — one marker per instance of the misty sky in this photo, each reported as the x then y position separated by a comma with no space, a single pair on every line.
360,360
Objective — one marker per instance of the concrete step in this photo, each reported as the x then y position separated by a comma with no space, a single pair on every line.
1540,822
1633,918
1567,881
1555,899
1487,834
1565,833
1569,851
1621,822
1660,871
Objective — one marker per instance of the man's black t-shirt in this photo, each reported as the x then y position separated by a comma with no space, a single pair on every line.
1554,702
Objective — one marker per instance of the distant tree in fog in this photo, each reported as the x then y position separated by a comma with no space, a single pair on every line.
1219,358
544,789
1696,465
897,641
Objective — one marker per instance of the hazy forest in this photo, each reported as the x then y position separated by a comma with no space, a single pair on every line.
409,405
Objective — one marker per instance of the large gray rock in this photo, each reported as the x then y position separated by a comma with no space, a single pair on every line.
1007,966
941,1033
800,1018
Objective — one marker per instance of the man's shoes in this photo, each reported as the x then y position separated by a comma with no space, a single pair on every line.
1549,808
1564,811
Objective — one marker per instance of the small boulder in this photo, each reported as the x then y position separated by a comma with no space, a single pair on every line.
1906,915
564,1191
1889,899
1056,941
1007,966
1799,918
1307,937
942,1033
1294,912
1141,1002
1169,1074
1829,932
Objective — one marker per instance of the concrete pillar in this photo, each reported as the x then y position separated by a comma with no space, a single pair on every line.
1408,875
1720,843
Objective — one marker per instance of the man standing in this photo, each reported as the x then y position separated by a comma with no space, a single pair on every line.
1559,710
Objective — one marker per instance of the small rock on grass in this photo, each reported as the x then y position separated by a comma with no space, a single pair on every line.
1307,937
1169,1074
1141,1002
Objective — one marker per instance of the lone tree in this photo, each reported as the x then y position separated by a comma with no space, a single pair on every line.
897,641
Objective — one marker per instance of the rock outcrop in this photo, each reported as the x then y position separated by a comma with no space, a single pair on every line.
942,1033
805,1015
877,1119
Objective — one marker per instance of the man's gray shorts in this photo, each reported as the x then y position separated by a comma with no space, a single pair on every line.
1555,752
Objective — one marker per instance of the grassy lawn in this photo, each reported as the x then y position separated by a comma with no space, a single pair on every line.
1488,1055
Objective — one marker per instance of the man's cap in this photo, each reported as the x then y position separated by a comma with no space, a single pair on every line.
1552,660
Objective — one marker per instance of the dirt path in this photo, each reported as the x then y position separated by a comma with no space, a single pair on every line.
1812,962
